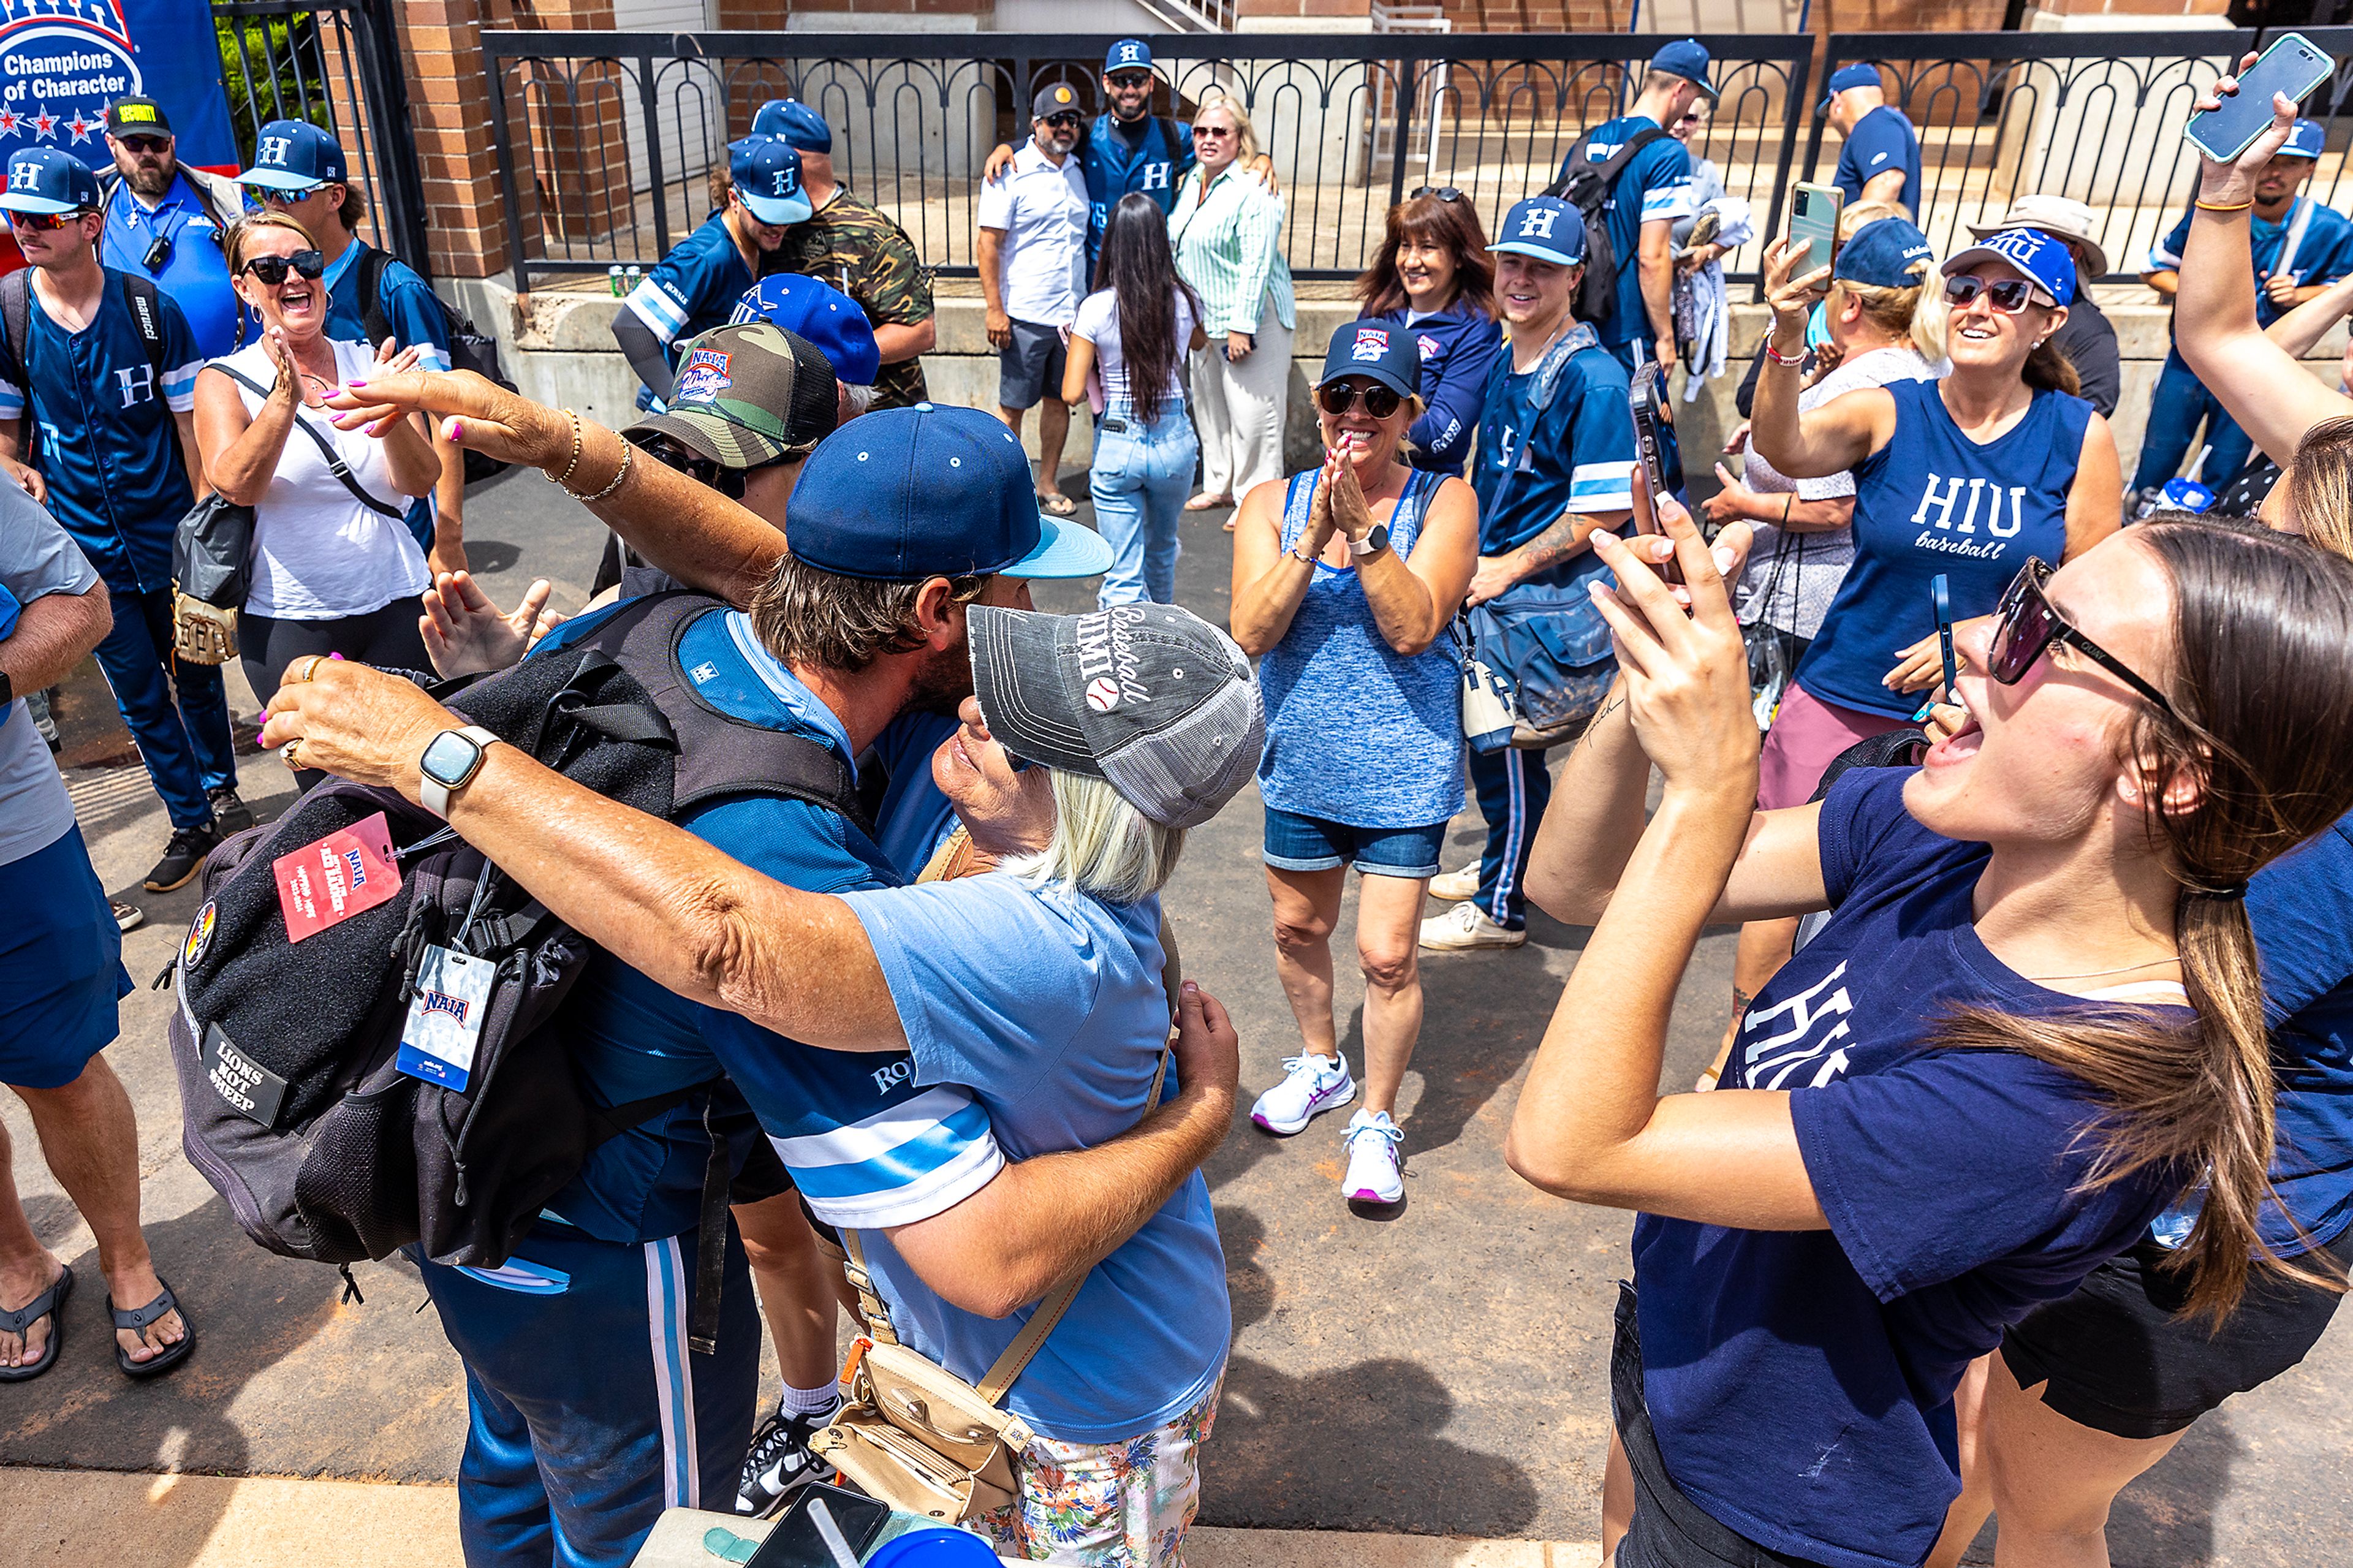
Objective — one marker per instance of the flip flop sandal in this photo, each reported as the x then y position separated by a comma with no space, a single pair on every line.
1057,505
1208,503
51,1304
138,1320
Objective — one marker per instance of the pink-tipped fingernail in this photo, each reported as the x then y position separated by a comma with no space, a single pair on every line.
357,381
336,657
456,428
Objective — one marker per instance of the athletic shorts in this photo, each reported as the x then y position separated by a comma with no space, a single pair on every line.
1030,368
60,966
1297,843
1807,733
2119,1361
763,1177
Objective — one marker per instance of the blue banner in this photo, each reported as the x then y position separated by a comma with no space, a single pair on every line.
63,62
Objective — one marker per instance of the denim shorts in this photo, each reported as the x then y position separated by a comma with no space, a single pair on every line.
1297,843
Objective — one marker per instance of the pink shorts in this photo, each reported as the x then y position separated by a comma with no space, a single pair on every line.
1807,734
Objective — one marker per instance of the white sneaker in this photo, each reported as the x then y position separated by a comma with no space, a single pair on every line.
1373,1174
1465,926
1312,1085
1456,886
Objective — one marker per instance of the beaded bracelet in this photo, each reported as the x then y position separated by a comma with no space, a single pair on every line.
1793,360
618,475
557,479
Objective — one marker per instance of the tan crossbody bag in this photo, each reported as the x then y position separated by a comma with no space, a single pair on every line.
915,1434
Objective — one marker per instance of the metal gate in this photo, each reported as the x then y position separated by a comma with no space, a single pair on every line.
335,63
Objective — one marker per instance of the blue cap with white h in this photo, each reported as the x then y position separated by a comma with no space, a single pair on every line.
1128,55
2044,260
797,123
904,494
1861,73
1687,59
767,175
2306,139
48,180
295,155
1546,227
829,319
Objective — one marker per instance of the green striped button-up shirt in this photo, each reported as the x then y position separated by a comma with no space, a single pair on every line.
1230,248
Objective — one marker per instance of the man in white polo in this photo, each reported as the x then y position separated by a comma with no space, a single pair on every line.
1033,255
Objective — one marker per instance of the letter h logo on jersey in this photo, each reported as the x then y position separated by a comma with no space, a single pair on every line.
138,384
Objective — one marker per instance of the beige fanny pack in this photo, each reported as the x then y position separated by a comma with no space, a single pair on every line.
201,633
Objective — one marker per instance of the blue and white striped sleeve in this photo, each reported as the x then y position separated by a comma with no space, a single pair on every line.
660,302
1601,450
1668,190
12,399
2165,256
182,358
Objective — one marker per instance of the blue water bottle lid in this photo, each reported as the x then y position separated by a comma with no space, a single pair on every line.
2188,495
933,1548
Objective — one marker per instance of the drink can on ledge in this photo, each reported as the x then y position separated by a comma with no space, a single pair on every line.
613,277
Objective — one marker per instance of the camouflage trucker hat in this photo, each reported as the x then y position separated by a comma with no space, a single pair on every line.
746,396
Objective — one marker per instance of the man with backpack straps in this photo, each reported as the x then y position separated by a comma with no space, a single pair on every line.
97,380
300,169
1631,181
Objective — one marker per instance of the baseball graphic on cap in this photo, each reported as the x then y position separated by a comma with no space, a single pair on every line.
1102,694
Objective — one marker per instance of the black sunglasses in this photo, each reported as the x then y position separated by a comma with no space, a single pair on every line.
1443,192
1062,122
729,483
2009,295
2029,625
1337,397
1129,78
146,143
270,270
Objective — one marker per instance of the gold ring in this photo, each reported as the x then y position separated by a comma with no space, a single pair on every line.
310,663
286,752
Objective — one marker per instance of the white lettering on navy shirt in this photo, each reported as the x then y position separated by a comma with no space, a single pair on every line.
1770,1062
1951,508
1156,177
138,384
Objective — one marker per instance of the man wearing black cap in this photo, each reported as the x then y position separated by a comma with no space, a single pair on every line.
166,221
1032,250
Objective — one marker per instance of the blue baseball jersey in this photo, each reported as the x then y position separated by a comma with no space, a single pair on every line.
1934,502
1556,439
1655,186
107,443
1801,1381
694,288
195,274
1151,155
2323,254
1881,141
1457,348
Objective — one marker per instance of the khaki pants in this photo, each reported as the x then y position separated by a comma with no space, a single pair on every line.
1239,409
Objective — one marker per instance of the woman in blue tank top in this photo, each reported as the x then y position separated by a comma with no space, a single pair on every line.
1344,581
1965,478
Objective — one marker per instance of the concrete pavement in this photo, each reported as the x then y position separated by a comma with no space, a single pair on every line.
1436,1372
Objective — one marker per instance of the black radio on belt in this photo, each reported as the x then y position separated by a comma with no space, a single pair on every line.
159,255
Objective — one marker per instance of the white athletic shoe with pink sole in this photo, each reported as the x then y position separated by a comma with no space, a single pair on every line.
1374,1177
1311,1085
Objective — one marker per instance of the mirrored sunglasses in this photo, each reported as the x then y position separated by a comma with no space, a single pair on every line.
42,223
1443,192
2009,296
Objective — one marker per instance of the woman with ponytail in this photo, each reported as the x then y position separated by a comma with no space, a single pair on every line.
2030,1023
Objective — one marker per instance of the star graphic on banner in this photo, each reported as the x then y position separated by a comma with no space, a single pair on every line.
10,121
82,128
44,124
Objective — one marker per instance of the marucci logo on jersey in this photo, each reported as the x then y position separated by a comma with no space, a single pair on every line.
1794,1039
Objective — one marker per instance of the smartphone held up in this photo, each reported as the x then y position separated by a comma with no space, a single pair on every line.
2291,67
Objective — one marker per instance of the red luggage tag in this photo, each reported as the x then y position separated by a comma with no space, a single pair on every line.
335,878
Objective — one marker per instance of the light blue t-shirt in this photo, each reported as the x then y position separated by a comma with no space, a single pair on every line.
1046,1004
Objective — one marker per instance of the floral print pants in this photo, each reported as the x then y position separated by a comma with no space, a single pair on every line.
1109,1505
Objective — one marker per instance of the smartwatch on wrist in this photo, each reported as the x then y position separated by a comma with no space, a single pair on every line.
451,759
1376,540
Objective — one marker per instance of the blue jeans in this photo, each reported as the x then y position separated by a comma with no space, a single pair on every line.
2175,409
177,712
1140,479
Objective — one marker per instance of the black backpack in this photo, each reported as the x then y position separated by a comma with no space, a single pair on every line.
1586,186
139,297
469,348
291,1107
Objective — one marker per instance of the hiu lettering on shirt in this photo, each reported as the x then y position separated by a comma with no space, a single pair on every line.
1943,533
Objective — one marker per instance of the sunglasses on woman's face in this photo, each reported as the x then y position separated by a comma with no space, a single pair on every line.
1210,133
270,270
44,223
1379,401
2009,295
2029,625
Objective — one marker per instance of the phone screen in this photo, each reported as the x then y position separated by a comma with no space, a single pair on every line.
796,1543
1647,398
2291,65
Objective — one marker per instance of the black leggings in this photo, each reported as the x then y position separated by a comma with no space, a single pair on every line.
387,638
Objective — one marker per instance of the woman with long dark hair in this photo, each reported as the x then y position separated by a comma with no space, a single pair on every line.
2033,1020
1127,356
1433,277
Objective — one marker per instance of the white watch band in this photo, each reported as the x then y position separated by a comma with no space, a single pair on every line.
432,792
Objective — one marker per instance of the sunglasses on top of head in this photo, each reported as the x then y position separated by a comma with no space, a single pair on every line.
2026,627
44,223
2007,295
270,270
1443,192
1338,397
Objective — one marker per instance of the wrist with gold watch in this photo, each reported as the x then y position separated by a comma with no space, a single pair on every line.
449,764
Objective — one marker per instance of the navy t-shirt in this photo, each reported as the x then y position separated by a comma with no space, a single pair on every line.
1801,1381
1458,347
1881,141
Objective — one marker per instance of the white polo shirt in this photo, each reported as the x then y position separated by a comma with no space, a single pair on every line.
1042,211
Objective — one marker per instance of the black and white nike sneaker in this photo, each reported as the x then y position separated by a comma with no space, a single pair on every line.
780,1462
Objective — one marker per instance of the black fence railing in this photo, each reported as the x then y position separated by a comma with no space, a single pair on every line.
335,63
607,141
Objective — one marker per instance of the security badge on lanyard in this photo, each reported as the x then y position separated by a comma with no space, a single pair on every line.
450,1005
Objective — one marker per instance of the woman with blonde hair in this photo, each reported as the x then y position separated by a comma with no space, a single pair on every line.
1228,232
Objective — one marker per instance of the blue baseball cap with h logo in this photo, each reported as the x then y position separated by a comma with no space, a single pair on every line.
767,175
797,123
1128,55
1546,227
295,155
47,180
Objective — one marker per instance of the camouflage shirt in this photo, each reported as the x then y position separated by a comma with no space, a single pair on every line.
865,256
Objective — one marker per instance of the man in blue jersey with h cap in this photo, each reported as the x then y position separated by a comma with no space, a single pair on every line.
1880,160
97,398
2299,246
1556,465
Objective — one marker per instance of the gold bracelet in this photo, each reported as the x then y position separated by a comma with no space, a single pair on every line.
618,475
2224,206
557,479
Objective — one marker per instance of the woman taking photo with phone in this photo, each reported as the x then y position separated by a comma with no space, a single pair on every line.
1431,279
1227,231
1344,580
335,569
1144,447
2030,1022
